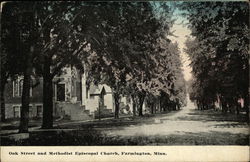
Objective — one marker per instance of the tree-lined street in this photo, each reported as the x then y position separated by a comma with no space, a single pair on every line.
189,121
113,73
188,126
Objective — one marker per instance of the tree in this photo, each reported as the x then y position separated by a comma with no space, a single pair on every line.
124,53
59,46
128,59
46,37
220,62
10,47
19,27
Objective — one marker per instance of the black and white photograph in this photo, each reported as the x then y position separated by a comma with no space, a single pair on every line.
125,73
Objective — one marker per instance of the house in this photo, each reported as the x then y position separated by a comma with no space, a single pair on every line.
72,97
66,90
13,94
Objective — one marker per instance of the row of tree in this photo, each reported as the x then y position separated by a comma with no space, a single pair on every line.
123,45
219,53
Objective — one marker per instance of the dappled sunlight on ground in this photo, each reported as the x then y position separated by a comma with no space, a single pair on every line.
183,122
187,126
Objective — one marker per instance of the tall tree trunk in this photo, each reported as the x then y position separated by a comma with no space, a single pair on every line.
47,102
224,106
175,106
160,105
24,120
246,106
134,105
141,97
156,106
237,108
3,80
2,100
117,104
152,108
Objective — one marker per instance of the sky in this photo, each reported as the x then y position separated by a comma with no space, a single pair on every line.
181,32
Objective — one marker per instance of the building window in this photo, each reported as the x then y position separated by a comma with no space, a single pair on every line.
30,111
15,88
60,92
16,110
39,109
18,88
31,84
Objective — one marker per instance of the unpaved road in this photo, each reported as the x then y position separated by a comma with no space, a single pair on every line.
186,121
185,127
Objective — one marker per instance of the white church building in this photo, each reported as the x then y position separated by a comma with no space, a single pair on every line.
94,99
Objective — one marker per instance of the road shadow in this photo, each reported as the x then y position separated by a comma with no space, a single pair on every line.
211,115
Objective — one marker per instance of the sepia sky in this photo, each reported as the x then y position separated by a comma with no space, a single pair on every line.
181,32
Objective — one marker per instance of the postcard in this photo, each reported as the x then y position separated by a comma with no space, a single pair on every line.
124,81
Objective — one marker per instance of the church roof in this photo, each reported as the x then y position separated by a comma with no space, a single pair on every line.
96,89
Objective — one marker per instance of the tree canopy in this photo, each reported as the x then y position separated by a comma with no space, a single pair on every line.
218,50
124,45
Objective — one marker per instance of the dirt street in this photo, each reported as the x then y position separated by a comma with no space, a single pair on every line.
186,121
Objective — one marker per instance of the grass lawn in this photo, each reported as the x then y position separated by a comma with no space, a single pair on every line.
90,137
